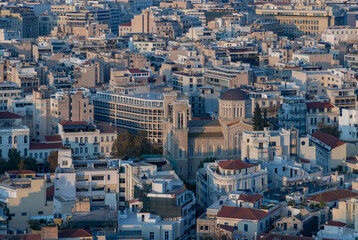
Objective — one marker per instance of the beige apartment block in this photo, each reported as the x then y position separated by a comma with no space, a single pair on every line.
25,198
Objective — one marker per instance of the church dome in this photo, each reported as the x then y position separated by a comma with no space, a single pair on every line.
234,95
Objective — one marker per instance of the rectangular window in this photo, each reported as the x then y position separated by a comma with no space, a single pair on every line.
151,236
97,178
166,236
24,214
246,227
40,212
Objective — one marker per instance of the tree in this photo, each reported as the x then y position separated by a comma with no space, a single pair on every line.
129,145
30,164
257,118
3,166
52,160
14,159
265,122
332,130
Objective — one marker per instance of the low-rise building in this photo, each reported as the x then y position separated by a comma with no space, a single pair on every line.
222,177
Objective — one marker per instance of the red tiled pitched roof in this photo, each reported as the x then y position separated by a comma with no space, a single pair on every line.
334,195
53,138
36,146
327,139
234,165
241,213
335,223
73,233
313,105
9,115
250,198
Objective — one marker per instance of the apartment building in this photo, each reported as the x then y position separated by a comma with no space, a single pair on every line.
13,134
82,186
223,77
330,151
87,139
293,114
135,112
71,105
344,98
8,91
340,34
348,125
237,215
321,114
300,19
223,177
25,195
264,146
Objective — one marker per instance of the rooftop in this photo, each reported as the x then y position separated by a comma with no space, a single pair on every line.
234,165
335,195
327,139
241,213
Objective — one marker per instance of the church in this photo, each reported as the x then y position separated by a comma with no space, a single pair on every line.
189,141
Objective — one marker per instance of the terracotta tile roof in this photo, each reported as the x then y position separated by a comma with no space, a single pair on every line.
250,198
327,139
334,195
274,236
53,138
9,115
234,165
335,223
313,105
17,172
36,146
66,123
128,24
241,213
73,233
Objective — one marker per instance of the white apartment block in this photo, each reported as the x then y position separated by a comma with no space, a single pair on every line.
99,181
348,124
340,34
264,146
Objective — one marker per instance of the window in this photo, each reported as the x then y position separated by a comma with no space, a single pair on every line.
295,226
151,236
95,139
40,212
246,227
219,150
25,139
180,120
24,214
10,139
76,140
237,143
97,178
